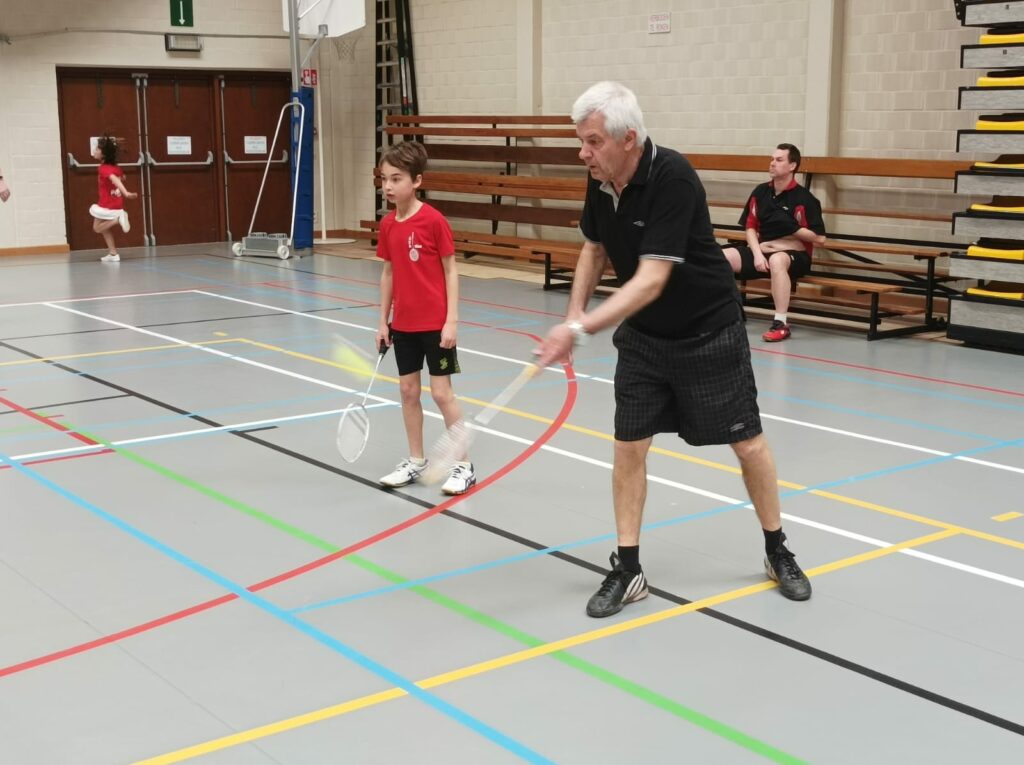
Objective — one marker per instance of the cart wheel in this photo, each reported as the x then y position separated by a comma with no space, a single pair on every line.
282,252
237,249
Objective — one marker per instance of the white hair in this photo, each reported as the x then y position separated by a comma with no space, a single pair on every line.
619,106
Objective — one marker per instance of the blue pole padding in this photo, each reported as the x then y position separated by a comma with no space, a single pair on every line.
303,237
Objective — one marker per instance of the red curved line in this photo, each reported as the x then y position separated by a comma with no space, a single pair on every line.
890,372
567,405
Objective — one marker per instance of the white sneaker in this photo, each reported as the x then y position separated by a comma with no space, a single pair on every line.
404,473
460,479
111,257
122,218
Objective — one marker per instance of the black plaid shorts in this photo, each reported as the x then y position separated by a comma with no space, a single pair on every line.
699,387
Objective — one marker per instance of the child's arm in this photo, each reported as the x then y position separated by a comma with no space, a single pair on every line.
121,187
451,285
386,295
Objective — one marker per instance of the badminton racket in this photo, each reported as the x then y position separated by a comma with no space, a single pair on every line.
354,425
455,441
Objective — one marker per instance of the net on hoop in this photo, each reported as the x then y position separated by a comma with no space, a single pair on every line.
345,45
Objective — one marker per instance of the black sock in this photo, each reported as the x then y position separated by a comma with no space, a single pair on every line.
773,540
629,557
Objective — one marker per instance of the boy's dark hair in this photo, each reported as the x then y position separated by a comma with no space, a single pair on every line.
108,148
794,153
410,156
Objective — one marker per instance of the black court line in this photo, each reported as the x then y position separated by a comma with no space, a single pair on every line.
70,403
754,629
190,321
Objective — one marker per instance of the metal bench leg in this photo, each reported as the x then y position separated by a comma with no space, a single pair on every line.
873,323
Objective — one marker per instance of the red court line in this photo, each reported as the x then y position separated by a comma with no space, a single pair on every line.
891,372
44,460
48,421
552,429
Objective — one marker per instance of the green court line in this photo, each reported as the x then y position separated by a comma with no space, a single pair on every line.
608,677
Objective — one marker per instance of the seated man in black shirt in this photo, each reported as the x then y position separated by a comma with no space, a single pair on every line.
783,223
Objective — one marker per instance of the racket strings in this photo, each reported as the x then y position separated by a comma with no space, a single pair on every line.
353,432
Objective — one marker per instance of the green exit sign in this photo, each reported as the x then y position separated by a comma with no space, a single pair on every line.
181,13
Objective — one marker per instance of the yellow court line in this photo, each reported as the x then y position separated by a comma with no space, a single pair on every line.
934,522
109,353
966,531
1007,516
519,657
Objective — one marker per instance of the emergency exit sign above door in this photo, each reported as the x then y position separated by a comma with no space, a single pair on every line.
181,13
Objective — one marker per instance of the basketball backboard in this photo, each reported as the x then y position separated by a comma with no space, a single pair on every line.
340,16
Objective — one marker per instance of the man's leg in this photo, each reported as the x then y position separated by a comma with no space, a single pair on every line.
626,582
733,256
782,289
758,467
782,285
629,489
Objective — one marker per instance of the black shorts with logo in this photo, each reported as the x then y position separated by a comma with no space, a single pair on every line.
411,348
799,265
699,387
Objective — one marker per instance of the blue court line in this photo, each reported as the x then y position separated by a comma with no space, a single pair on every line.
646,527
863,414
892,386
291,620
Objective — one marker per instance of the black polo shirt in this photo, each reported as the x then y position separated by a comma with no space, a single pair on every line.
775,216
663,214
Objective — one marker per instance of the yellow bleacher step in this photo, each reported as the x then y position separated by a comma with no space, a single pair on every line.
976,251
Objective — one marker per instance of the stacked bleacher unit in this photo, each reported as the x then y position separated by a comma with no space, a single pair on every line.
992,314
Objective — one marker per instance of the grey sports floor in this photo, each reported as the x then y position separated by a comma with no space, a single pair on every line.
189,570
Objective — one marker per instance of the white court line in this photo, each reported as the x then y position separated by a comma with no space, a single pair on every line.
938,560
98,297
560,370
719,497
462,349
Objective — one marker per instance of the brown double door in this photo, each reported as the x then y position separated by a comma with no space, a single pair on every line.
193,144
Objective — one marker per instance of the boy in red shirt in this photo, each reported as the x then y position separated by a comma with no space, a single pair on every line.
109,210
419,291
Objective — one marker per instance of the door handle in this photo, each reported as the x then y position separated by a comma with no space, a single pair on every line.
152,162
229,161
73,163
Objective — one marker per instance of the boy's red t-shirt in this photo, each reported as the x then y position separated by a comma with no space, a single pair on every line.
109,196
414,247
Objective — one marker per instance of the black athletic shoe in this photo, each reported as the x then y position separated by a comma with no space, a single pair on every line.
783,568
618,588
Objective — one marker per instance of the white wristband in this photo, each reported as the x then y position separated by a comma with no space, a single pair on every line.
579,334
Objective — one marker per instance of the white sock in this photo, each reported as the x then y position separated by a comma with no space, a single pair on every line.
780,317
418,460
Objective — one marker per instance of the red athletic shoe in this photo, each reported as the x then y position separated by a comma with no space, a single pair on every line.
778,332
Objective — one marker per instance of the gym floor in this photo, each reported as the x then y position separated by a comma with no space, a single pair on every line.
190,571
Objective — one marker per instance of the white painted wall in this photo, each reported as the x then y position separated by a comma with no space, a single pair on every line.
732,76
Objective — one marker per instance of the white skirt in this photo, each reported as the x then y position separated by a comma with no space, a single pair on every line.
103,213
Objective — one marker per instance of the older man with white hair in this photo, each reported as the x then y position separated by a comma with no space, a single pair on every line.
683,358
